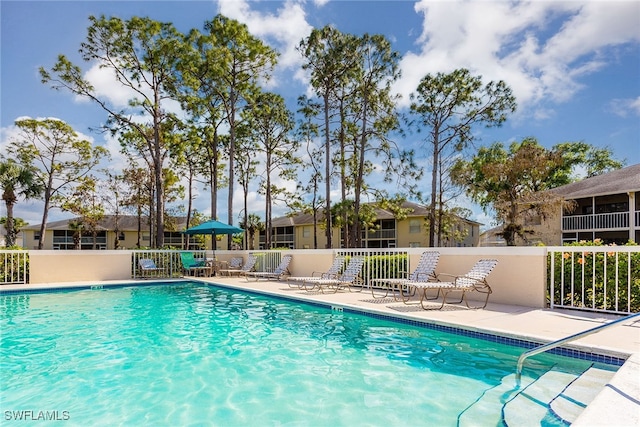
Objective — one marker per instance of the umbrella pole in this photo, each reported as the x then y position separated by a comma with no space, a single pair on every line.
213,245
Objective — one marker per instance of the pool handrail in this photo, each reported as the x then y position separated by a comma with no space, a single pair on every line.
554,344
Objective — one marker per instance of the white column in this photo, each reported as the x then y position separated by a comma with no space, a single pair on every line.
632,215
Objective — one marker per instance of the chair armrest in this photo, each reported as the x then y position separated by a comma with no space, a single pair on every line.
426,276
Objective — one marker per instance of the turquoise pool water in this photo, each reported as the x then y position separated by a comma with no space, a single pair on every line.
190,354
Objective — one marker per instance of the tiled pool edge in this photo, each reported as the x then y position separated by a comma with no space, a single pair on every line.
520,341
65,287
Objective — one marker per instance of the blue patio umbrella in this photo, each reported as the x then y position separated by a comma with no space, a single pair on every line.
213,228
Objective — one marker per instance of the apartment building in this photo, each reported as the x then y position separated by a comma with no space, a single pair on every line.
606,207
297,231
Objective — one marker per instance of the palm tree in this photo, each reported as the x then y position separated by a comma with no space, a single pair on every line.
76,226
253,224
18,224
16,180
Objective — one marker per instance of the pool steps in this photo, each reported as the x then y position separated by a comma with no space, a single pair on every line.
488,407
556,395
569,404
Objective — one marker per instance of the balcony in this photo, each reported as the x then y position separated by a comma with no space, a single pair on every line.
379,234
604,221
85,240
279,240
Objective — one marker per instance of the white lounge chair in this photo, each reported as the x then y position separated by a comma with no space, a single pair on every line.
278,273
474,280
425,271
332,273
246,268
351,276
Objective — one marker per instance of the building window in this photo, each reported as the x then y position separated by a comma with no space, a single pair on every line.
64,240
382,236
306,232
414,225
281,237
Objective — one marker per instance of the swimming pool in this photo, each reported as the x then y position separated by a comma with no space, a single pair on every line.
193,354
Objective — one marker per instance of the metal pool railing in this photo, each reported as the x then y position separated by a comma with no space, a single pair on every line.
14,267
595,278
558,343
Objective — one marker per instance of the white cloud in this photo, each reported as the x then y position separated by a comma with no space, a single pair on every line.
626,107
7,134
541,49
118,160
283,30
106,86
13,132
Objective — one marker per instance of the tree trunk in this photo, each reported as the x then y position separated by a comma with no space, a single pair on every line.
159,181
360,175
189,205
267,209
45,215
11,234
434,190
345,233
327,171
232,153
214,176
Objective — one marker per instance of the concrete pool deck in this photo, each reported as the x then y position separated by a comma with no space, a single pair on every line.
617,405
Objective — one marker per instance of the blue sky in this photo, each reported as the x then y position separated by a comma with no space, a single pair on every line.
574,66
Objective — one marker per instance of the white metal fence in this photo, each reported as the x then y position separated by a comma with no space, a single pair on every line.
266,260
380,263
595,278
14,267
168,263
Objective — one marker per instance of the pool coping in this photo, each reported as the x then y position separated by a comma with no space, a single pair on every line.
618,403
